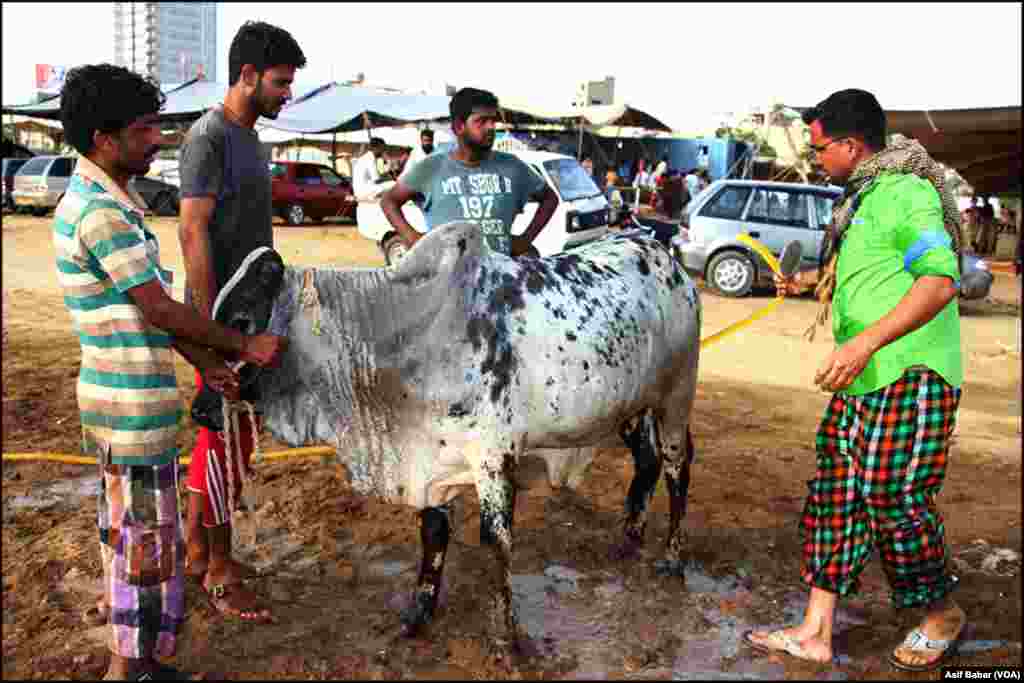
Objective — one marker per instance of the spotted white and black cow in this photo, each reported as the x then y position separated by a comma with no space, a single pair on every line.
442,371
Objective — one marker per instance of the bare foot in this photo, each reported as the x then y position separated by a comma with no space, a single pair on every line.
802,642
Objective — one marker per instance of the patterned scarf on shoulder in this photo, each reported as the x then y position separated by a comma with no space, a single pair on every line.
902,155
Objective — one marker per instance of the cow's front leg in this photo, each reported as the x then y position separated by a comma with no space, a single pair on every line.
678,457
496,488
641,435
435,531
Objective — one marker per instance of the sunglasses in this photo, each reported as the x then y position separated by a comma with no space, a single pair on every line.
820,149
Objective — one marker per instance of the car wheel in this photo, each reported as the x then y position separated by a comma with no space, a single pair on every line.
394,249
731,273
41,211
295,214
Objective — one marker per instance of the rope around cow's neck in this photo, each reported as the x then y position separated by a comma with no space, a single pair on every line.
233,455
310,298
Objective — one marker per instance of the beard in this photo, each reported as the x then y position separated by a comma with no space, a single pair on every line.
478,147
268,107
134,167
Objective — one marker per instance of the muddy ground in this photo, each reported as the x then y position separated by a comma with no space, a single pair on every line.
336,565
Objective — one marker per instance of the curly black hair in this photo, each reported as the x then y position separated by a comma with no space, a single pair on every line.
852,112
104,98
466,100
264,46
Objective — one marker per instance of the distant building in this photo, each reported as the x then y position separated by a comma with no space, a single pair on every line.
595,92
171,41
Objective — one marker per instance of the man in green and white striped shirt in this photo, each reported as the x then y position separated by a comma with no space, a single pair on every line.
109,268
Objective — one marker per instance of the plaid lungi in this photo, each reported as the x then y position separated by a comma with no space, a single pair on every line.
143,557
881,461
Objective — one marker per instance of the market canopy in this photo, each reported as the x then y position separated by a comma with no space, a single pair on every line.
338,108
47,109
597,115
983,144
189,99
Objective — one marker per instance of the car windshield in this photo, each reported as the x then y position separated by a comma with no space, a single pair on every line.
571,180
35,166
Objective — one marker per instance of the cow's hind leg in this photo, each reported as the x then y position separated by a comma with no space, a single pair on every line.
679,454
435,531
641,434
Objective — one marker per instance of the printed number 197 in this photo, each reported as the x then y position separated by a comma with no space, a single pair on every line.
474,207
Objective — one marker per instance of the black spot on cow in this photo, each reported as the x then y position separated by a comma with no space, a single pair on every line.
507,297
462,246
480,330
586,366
534,282
570,336
566,264
641,264
456,410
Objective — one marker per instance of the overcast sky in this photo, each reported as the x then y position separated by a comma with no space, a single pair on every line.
677,62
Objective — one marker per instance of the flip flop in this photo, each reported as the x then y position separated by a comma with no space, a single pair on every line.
217,595
780,643
917,641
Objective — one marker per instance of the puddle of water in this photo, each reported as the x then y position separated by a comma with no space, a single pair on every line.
973,647
389,570
546,618
699,581
66,491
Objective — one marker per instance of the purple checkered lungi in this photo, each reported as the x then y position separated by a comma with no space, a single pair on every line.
143,558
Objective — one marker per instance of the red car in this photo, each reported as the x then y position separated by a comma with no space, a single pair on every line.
300,189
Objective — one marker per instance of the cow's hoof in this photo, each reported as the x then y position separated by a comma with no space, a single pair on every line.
525,646
417,615
627,550
670,568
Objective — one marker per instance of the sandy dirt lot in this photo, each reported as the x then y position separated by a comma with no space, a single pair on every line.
336,565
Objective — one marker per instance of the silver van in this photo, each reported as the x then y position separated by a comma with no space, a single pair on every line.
41,182
772,213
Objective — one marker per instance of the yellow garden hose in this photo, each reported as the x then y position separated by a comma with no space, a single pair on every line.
773,263
184,460
327,450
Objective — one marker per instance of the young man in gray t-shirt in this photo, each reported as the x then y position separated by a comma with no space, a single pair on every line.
226,213
473,183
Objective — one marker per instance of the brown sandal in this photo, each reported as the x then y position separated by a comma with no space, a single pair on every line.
217,597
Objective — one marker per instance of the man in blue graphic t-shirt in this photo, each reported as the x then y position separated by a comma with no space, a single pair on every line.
472,183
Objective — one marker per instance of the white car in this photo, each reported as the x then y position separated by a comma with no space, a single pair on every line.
581,216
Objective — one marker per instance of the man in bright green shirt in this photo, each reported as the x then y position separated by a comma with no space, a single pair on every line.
895,238
891,281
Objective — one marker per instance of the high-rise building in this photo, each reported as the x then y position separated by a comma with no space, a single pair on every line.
171,41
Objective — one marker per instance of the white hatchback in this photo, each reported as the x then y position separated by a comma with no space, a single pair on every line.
582,215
